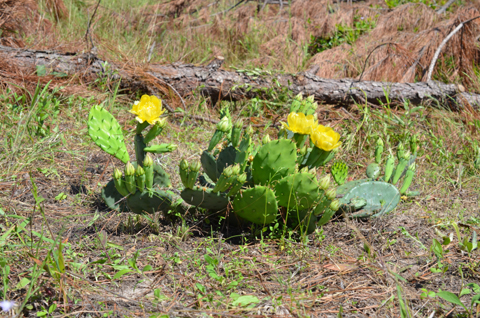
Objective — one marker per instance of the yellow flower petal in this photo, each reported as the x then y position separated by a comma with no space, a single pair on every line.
299,123
325,138
149,109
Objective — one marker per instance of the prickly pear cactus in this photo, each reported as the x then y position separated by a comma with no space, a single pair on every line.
298,191
105,131
205,198
257,205
339,172
273,161
379,198
370,198
142,188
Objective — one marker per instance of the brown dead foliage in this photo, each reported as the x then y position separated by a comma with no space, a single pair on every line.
21,18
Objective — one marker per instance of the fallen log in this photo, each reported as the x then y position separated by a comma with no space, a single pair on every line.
219,84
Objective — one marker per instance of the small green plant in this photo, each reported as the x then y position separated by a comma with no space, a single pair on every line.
342,34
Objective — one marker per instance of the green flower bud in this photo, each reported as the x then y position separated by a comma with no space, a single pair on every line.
236,169
239,124
183,164
311,98
195,166
325,182
335,205
299,96
228,171
266,139
129,169
242,178
249,130
224,124
139,171
380,142
117,174
148,161
331,193
304,169
406,155
313,171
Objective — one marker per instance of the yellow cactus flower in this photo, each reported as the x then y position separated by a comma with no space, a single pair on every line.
149,109
325,138
299,123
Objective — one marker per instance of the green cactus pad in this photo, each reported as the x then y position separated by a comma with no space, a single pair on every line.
226,158
274,161
204,198
209,165
340,172
257,205
297,191
381,197
150,202
160,177
111,196
373,171
105,131
346,187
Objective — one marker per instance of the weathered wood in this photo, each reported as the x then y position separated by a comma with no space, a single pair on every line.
228,85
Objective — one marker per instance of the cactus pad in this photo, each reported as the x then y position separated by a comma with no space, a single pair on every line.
105,131
204,198
346,187
274,161
257,205
209,165
373,171
225,158
297,191
381,197
150,202
111,196
340,172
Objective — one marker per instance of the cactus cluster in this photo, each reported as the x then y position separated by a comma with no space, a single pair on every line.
377,195
262,182
142,187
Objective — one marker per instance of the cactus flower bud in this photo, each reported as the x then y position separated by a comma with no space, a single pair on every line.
239,124
325,182
228,171
236,169
331,193
242,178
335,205
311,98
250,158
195,166
400,151
304,169
249,130
148,161
380,142
224,124
117,174
299,96
183,164
313,171
413,144
129,169
266,139
139,171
